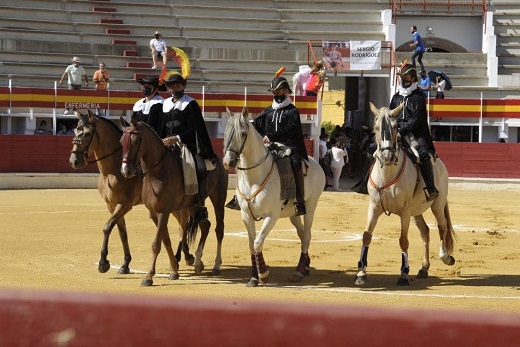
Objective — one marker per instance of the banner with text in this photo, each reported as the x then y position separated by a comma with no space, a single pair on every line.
365,55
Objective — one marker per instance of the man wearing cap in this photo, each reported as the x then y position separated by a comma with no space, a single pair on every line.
281,123
185,125
412,127
149,108
159,49
74,72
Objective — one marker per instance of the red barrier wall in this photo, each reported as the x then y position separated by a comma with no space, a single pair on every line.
71,319
50,154
47,153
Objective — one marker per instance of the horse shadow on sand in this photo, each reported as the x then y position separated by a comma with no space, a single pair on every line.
281,276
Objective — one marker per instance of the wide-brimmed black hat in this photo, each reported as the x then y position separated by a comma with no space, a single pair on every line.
175,77
407,69
279,83
154,81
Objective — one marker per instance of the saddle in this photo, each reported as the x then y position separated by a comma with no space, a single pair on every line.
282,156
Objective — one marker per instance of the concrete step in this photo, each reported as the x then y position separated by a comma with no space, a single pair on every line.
103,9
338,14
110,21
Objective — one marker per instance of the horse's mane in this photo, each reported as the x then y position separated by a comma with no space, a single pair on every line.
152,130
384,115
112,124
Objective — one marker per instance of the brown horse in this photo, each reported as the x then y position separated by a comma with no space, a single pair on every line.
164,192
99,137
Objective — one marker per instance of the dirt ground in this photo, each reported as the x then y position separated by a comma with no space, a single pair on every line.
51,239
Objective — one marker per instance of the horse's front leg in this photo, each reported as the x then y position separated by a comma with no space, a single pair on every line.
118,213
425,235
263,269
161,229
372,216
251,233
404,279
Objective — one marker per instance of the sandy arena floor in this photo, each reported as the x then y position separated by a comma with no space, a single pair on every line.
51,239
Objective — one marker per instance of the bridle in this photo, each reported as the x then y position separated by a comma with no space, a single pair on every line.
126,141
387,143
264,182
241,149
76,140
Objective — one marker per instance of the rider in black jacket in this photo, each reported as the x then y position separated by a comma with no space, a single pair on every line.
413,129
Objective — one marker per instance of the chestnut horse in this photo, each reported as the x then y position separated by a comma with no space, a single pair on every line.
259,190
164,192
100,138
395,186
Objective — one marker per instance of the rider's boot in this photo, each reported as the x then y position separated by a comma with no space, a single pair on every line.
430,191
361,186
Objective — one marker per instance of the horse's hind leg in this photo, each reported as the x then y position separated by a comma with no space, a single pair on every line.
204,231
184,248
304,233
425,235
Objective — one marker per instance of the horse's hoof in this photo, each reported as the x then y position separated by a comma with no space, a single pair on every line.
104,267
422,274
190,260
199,269
215,272
124,270
403,281
361,280
253,282
174,277
449,260
265,279
146,283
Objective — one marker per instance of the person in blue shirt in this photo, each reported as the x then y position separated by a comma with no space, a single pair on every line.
425,84
418,47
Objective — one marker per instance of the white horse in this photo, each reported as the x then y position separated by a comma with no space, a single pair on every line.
258,190
395,186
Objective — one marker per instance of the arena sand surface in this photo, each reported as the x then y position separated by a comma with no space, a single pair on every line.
51,239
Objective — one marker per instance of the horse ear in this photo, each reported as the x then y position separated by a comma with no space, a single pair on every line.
245,112
397,110
124,123
91,115
229,113
374,109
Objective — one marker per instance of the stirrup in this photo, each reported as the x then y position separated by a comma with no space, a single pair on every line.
233,203
431,193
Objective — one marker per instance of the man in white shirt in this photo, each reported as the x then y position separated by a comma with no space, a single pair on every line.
159,49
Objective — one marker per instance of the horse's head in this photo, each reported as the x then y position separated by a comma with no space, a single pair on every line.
81,143
235,137
385,127
131,141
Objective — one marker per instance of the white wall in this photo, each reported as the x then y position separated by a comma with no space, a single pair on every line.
465,31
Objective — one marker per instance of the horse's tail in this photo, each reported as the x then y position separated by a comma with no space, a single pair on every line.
450,238
191,230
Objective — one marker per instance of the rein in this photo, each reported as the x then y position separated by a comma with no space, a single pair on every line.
260,188
387,185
